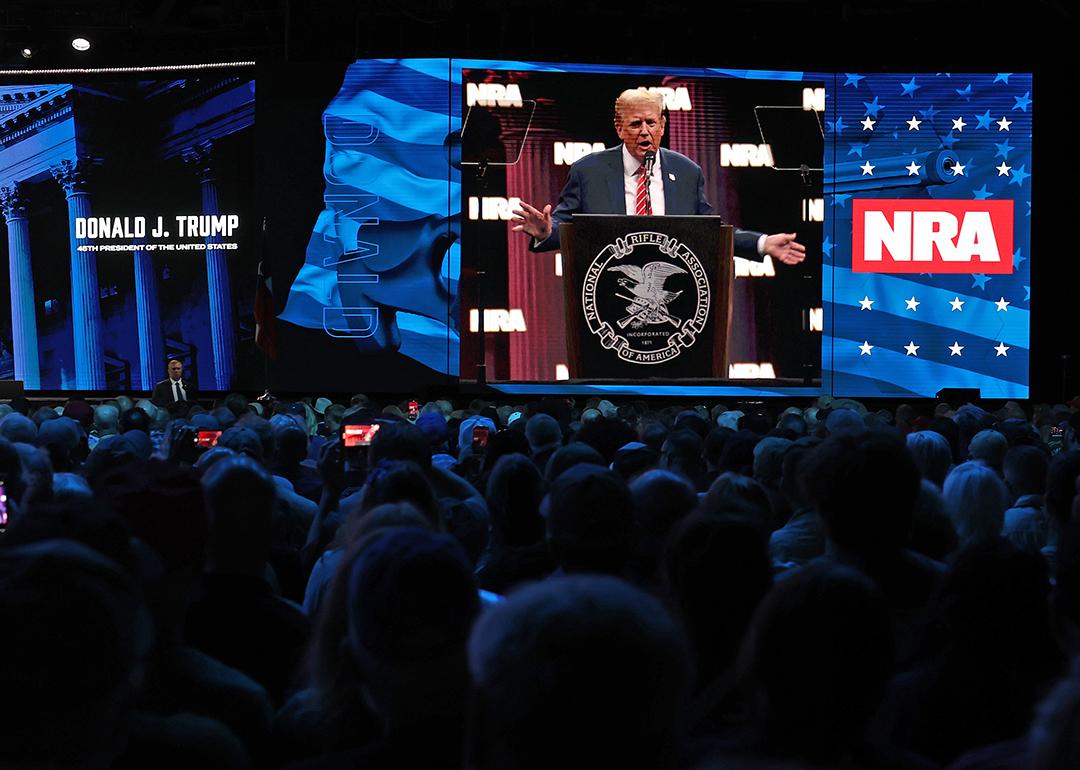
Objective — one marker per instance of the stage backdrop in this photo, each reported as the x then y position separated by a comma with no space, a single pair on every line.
547,120
129,232
924,210
132,207
928,233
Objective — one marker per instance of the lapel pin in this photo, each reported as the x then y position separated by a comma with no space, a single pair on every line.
671,177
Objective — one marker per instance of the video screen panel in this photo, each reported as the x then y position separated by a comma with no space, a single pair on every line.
719,130
928,233
367,261
386,294
364,208
130,232
132,207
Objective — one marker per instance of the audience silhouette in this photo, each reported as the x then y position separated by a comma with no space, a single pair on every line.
542,584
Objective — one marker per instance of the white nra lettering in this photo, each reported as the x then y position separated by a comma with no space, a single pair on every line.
498,320
743,155
817,319
751,371
675,99
567,153
749,268
912,236
813,99
492,208
813,210
492,95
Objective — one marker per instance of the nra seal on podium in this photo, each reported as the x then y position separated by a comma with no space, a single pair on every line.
646,297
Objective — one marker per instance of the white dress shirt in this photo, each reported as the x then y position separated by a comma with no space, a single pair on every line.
630,166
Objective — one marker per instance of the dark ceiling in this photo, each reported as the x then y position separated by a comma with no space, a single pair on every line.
778,34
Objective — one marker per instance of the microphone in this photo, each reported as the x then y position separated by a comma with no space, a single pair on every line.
650,159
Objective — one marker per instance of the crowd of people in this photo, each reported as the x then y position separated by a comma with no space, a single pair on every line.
551,584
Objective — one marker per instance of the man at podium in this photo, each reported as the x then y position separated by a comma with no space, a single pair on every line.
639,177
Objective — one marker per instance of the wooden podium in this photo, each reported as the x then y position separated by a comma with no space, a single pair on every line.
647,297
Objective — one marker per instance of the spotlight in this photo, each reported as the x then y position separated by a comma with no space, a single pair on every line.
28,52
80,44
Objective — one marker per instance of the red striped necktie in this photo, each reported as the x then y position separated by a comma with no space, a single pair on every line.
644,205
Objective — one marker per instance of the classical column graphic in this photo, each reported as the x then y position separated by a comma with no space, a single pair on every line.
24,339
151,349
222,327
85,296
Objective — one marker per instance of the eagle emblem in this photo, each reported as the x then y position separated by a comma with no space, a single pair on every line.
648,298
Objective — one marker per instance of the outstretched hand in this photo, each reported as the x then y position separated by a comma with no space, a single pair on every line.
533,221
784,247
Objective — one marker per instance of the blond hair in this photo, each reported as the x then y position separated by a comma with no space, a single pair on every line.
636,96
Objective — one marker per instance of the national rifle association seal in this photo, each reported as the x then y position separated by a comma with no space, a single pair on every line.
646,297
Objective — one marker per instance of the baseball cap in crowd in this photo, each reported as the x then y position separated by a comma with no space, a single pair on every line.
434,427
729,419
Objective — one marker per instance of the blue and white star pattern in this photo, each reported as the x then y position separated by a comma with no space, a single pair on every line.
927,331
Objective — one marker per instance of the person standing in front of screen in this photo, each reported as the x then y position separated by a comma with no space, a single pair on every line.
175,388
640,177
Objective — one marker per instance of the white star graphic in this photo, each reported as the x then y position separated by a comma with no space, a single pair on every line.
865,303
912,349
1002,349
1002,305
913,169
958,124
867,168
1003,170
865,348
913,124
958,169
868,124
955,348
912,304
1004,123
957,304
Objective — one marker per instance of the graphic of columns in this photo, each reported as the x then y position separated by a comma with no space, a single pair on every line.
151,350
222,330
24,340
85,297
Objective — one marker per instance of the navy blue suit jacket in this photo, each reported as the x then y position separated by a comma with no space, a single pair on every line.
596,186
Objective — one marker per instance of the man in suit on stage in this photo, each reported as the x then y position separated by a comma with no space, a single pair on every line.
639,177
175,388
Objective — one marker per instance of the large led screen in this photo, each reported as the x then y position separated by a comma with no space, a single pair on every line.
916,220
928,233
379,199
130,237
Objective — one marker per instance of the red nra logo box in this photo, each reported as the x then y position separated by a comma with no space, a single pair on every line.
925,236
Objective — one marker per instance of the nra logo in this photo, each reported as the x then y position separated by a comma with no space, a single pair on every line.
493,94
675,99
906,236
568,153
